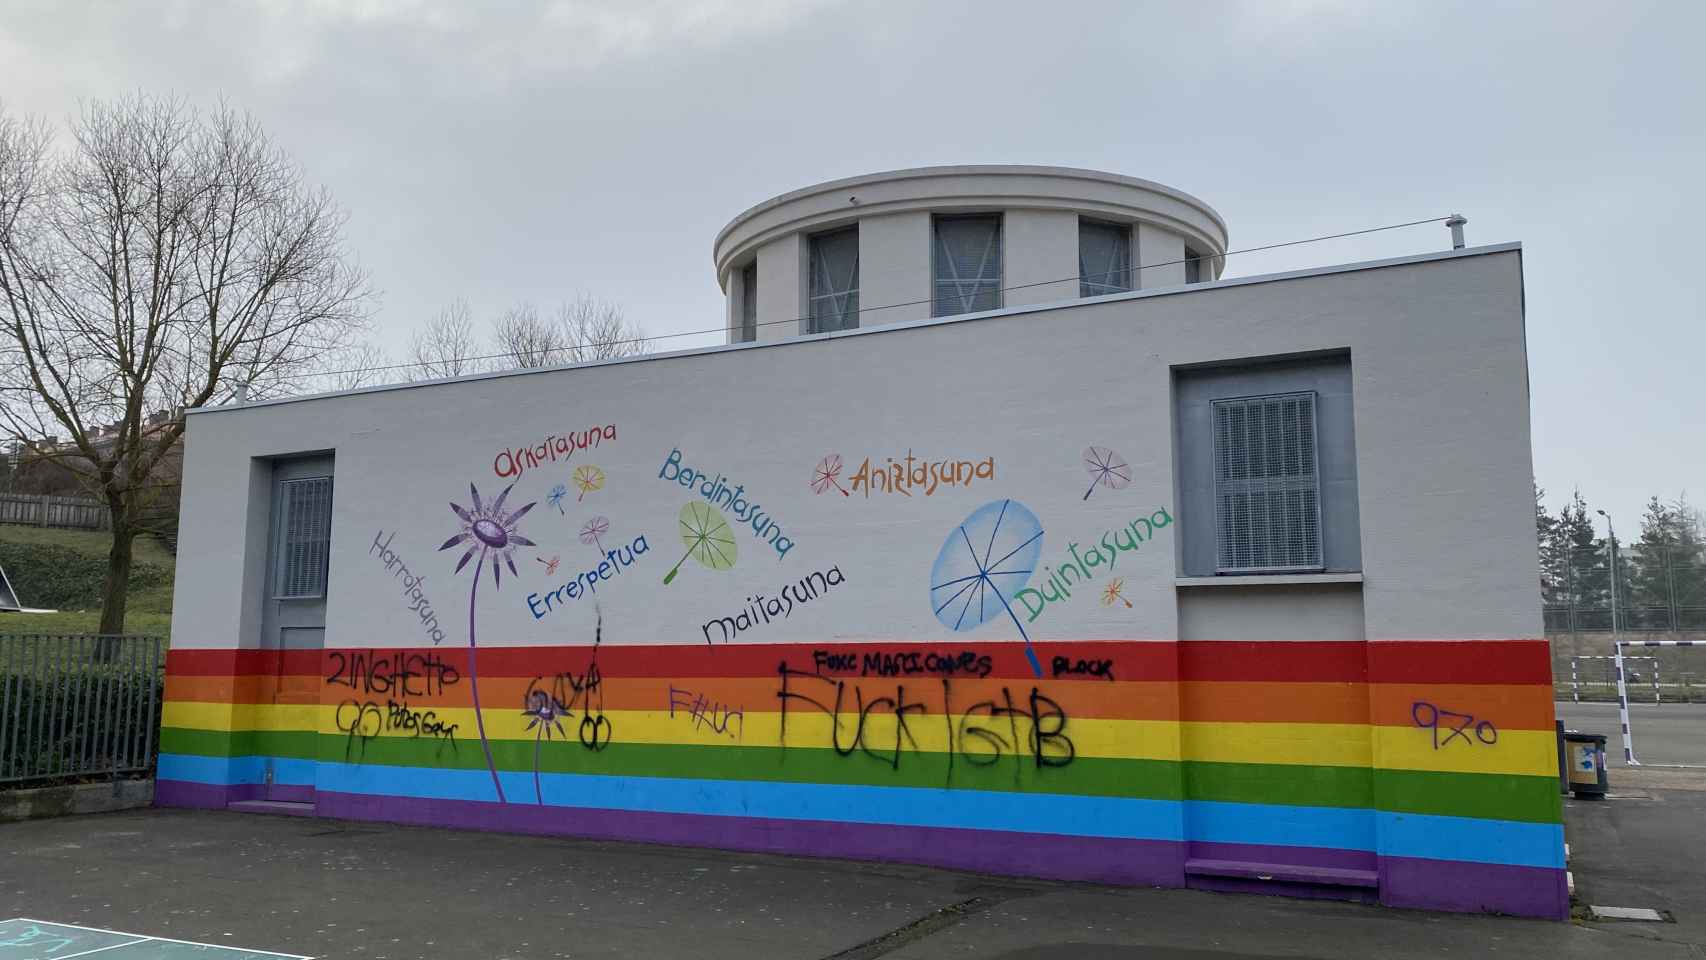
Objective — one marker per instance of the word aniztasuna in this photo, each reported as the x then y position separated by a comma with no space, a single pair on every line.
911,474
1058,585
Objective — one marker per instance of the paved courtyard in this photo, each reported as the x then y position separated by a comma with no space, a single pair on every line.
337,889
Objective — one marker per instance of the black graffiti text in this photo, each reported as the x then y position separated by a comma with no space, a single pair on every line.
1066,667
402,672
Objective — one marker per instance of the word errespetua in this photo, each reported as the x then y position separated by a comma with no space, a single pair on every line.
614,562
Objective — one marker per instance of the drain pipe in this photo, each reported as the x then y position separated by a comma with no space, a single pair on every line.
1456,222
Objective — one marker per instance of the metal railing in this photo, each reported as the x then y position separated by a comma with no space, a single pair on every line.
78,706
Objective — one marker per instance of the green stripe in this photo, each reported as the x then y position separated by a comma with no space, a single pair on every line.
1490,796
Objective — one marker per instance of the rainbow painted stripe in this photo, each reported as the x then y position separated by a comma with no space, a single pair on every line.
1425,768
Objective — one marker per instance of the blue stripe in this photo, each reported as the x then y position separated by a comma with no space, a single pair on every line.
1390,834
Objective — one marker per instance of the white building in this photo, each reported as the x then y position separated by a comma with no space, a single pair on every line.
940,241
1225,584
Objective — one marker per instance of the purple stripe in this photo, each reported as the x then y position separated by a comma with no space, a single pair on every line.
1474,887
1049,856
1295,856
187,793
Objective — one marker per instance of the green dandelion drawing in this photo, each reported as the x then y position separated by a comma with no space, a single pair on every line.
707,537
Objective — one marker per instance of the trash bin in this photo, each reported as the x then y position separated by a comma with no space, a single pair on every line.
1586,752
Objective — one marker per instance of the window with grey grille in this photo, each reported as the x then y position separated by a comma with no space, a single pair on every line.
749,302
835,281
304,537
967,264
1267,484
1104,258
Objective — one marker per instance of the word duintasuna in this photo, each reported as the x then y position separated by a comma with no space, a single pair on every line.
730,500
614,562
413,592
760,609
512,463
909,475
1079,568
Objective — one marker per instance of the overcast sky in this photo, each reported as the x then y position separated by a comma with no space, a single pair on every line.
500,152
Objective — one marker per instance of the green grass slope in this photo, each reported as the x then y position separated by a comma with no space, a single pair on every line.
63,569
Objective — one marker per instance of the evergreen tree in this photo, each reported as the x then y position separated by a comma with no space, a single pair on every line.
1553,576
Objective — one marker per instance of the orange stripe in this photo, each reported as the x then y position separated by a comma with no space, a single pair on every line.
1256,702
1508,706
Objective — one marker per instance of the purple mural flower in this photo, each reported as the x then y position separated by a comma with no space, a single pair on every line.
545,713
490,533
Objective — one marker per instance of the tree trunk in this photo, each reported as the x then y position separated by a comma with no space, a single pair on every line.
115,592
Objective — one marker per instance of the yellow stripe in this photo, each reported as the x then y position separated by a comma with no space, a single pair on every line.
1529,752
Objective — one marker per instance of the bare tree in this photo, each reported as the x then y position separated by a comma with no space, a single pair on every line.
364,364
528,341
163,259
447,347
598,330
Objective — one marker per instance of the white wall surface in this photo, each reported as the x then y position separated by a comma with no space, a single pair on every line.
1442,449
1040,256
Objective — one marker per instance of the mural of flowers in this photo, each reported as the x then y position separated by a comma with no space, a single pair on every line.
490,534
1112,593
707,538
825,473
990,555
587,478
593,529
1107,469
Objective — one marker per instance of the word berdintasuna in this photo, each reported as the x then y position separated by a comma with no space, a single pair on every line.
586,584
911,474
512,463
413,591
761,610
717,491
1080,567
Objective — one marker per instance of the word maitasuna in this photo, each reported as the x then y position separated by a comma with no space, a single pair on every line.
761,610
731,500
512,463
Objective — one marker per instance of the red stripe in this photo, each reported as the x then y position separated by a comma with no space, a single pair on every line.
1406,661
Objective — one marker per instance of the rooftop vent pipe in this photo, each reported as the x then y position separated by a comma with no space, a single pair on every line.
1456,222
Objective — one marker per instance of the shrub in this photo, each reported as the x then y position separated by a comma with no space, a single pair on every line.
50,575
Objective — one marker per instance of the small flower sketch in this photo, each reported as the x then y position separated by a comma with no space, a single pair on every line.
1112,593
587,478
1107,469
594,529
706,535
558,492
551,564
991,554
825,473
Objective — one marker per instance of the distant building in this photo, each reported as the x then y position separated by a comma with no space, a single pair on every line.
1005,546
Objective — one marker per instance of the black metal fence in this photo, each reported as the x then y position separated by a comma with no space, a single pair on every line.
1658,590
78,706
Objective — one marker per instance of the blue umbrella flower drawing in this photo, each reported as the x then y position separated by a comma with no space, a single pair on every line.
983,561
490,534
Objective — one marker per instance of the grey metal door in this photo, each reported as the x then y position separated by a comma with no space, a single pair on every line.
293,620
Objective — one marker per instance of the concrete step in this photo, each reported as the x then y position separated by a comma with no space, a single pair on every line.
275,807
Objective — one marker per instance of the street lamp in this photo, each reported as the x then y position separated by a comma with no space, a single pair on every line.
1617,646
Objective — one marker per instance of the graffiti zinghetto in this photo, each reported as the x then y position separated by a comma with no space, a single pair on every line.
403,672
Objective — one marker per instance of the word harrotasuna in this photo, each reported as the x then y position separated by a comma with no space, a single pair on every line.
731,500
614,562
1078,568
911,473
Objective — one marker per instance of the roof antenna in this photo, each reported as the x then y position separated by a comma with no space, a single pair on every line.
1456,222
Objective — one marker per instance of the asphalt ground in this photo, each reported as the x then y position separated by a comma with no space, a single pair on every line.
1667,733
339,889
